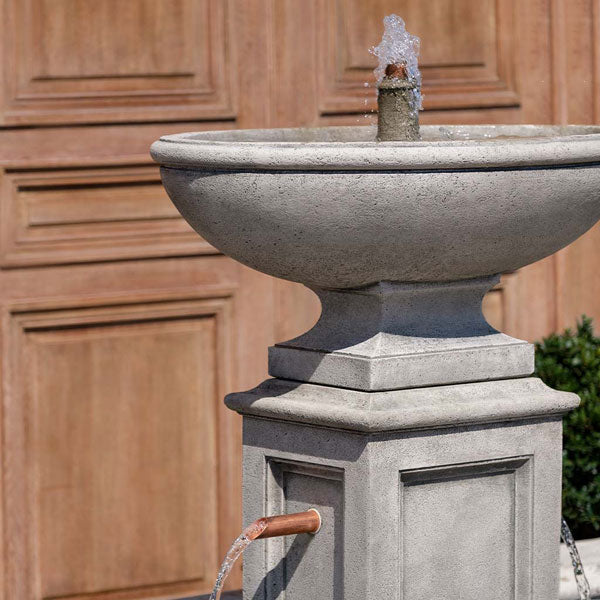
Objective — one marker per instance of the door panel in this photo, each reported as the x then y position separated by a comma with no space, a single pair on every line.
111,492
73,61
86,215
121,463
467,52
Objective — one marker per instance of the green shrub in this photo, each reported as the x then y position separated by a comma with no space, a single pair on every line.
571,362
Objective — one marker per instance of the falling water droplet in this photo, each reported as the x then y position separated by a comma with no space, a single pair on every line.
237,548
397,46
583,585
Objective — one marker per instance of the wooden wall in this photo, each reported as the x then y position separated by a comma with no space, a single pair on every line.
121,330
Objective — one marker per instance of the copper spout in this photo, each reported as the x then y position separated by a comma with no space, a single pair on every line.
396,70
302,522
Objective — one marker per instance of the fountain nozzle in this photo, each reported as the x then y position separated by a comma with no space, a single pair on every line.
302,522
396,70
398,109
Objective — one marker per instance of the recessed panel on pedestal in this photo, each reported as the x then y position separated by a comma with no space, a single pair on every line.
464,531
293,560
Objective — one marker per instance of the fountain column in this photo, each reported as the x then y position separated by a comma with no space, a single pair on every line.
415,430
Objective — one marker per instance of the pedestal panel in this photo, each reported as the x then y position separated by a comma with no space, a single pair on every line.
463,530
294,560
457,512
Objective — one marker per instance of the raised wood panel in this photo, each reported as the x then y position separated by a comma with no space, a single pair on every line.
579,280
188,306
113,454
71,61
90,146
457,30
467,52
577,100
66,216
101,41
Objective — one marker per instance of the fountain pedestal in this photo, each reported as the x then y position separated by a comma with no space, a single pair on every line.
440,492
392,336
433,459
408,422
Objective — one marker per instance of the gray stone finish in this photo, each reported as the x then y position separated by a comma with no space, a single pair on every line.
418,408
409,514
330,209
446,492
427,490
390,336
397,110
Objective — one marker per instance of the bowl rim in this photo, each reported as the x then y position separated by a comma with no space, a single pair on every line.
456,147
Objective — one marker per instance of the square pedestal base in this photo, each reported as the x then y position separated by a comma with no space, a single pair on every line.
456,513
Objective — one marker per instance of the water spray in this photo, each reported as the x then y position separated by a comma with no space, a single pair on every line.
398,83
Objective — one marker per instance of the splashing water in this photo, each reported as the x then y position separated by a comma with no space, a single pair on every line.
397,46
583,585
237,548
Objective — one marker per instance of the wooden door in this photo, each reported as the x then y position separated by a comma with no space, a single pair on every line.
121,329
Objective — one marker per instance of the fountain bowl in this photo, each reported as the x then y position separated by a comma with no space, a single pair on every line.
331,208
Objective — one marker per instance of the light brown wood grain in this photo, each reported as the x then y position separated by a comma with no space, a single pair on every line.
85,215
467,52
577,277
72,61
121,462
112,496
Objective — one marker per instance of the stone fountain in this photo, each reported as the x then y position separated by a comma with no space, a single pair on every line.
402,416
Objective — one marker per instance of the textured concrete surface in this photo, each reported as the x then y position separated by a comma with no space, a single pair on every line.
446,491
397,110
419,408
446,513
349,214
590,553
391,336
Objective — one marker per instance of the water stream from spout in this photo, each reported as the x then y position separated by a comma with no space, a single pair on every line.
397,46
583,585
237,549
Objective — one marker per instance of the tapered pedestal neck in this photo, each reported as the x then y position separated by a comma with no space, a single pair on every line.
396,335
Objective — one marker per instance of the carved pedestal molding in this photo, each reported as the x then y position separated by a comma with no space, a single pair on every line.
450,491
412,426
